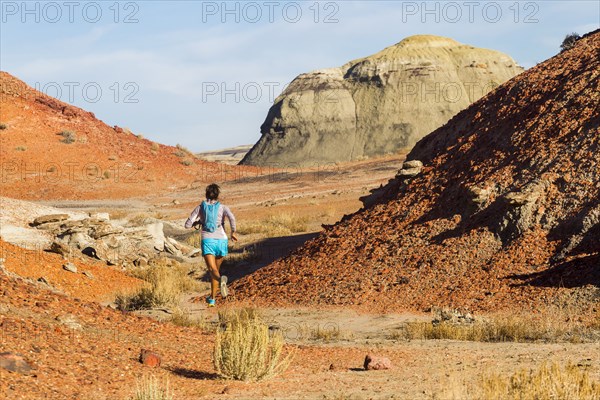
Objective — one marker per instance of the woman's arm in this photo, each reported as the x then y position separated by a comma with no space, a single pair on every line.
229,215
196,215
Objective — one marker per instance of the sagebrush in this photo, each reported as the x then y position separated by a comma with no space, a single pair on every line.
245,349
148,388
548,381
164,287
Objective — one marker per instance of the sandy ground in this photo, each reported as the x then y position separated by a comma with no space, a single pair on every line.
94,363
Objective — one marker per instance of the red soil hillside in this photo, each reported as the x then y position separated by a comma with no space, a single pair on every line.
102,162
505,212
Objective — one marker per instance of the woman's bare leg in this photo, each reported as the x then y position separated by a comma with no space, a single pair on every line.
213,268
219,261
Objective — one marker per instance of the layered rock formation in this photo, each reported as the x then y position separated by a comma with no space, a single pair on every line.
113,243
503,214
377,104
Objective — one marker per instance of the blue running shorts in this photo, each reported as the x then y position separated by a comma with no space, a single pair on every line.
216,247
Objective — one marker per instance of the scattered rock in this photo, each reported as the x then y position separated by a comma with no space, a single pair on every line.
452,316
408,173
172,248
150,358
412,164
410,169
100,216
375,363
15,363
88,274
70,321
60,248
194,253
43,280
70,267
479,195
44,219
140,262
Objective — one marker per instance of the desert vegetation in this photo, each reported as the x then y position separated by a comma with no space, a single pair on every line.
164,287
68,137
553,325
245,349
275,225
569,41
550,380
150,388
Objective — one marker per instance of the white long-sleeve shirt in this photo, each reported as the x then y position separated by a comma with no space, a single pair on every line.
219,233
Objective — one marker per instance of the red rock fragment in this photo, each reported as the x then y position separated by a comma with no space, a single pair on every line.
150,358
375,363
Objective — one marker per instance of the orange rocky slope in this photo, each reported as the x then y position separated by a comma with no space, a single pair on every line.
503,214
102,162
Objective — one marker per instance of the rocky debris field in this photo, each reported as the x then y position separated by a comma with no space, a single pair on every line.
503,214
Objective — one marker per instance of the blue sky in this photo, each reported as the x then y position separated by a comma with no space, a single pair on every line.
204,73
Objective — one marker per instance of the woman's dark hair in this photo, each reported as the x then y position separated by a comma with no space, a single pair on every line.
212,191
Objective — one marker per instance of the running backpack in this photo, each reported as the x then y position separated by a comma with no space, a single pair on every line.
211,214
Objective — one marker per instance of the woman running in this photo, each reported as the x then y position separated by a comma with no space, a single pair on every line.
210,216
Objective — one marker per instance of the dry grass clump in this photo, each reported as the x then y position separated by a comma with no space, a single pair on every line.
549,381
149,388
247,255
164,287
183,317
275,225
245,349
547,327
143,218
194,240
20,148
68,137
329,333
184,149
118,213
